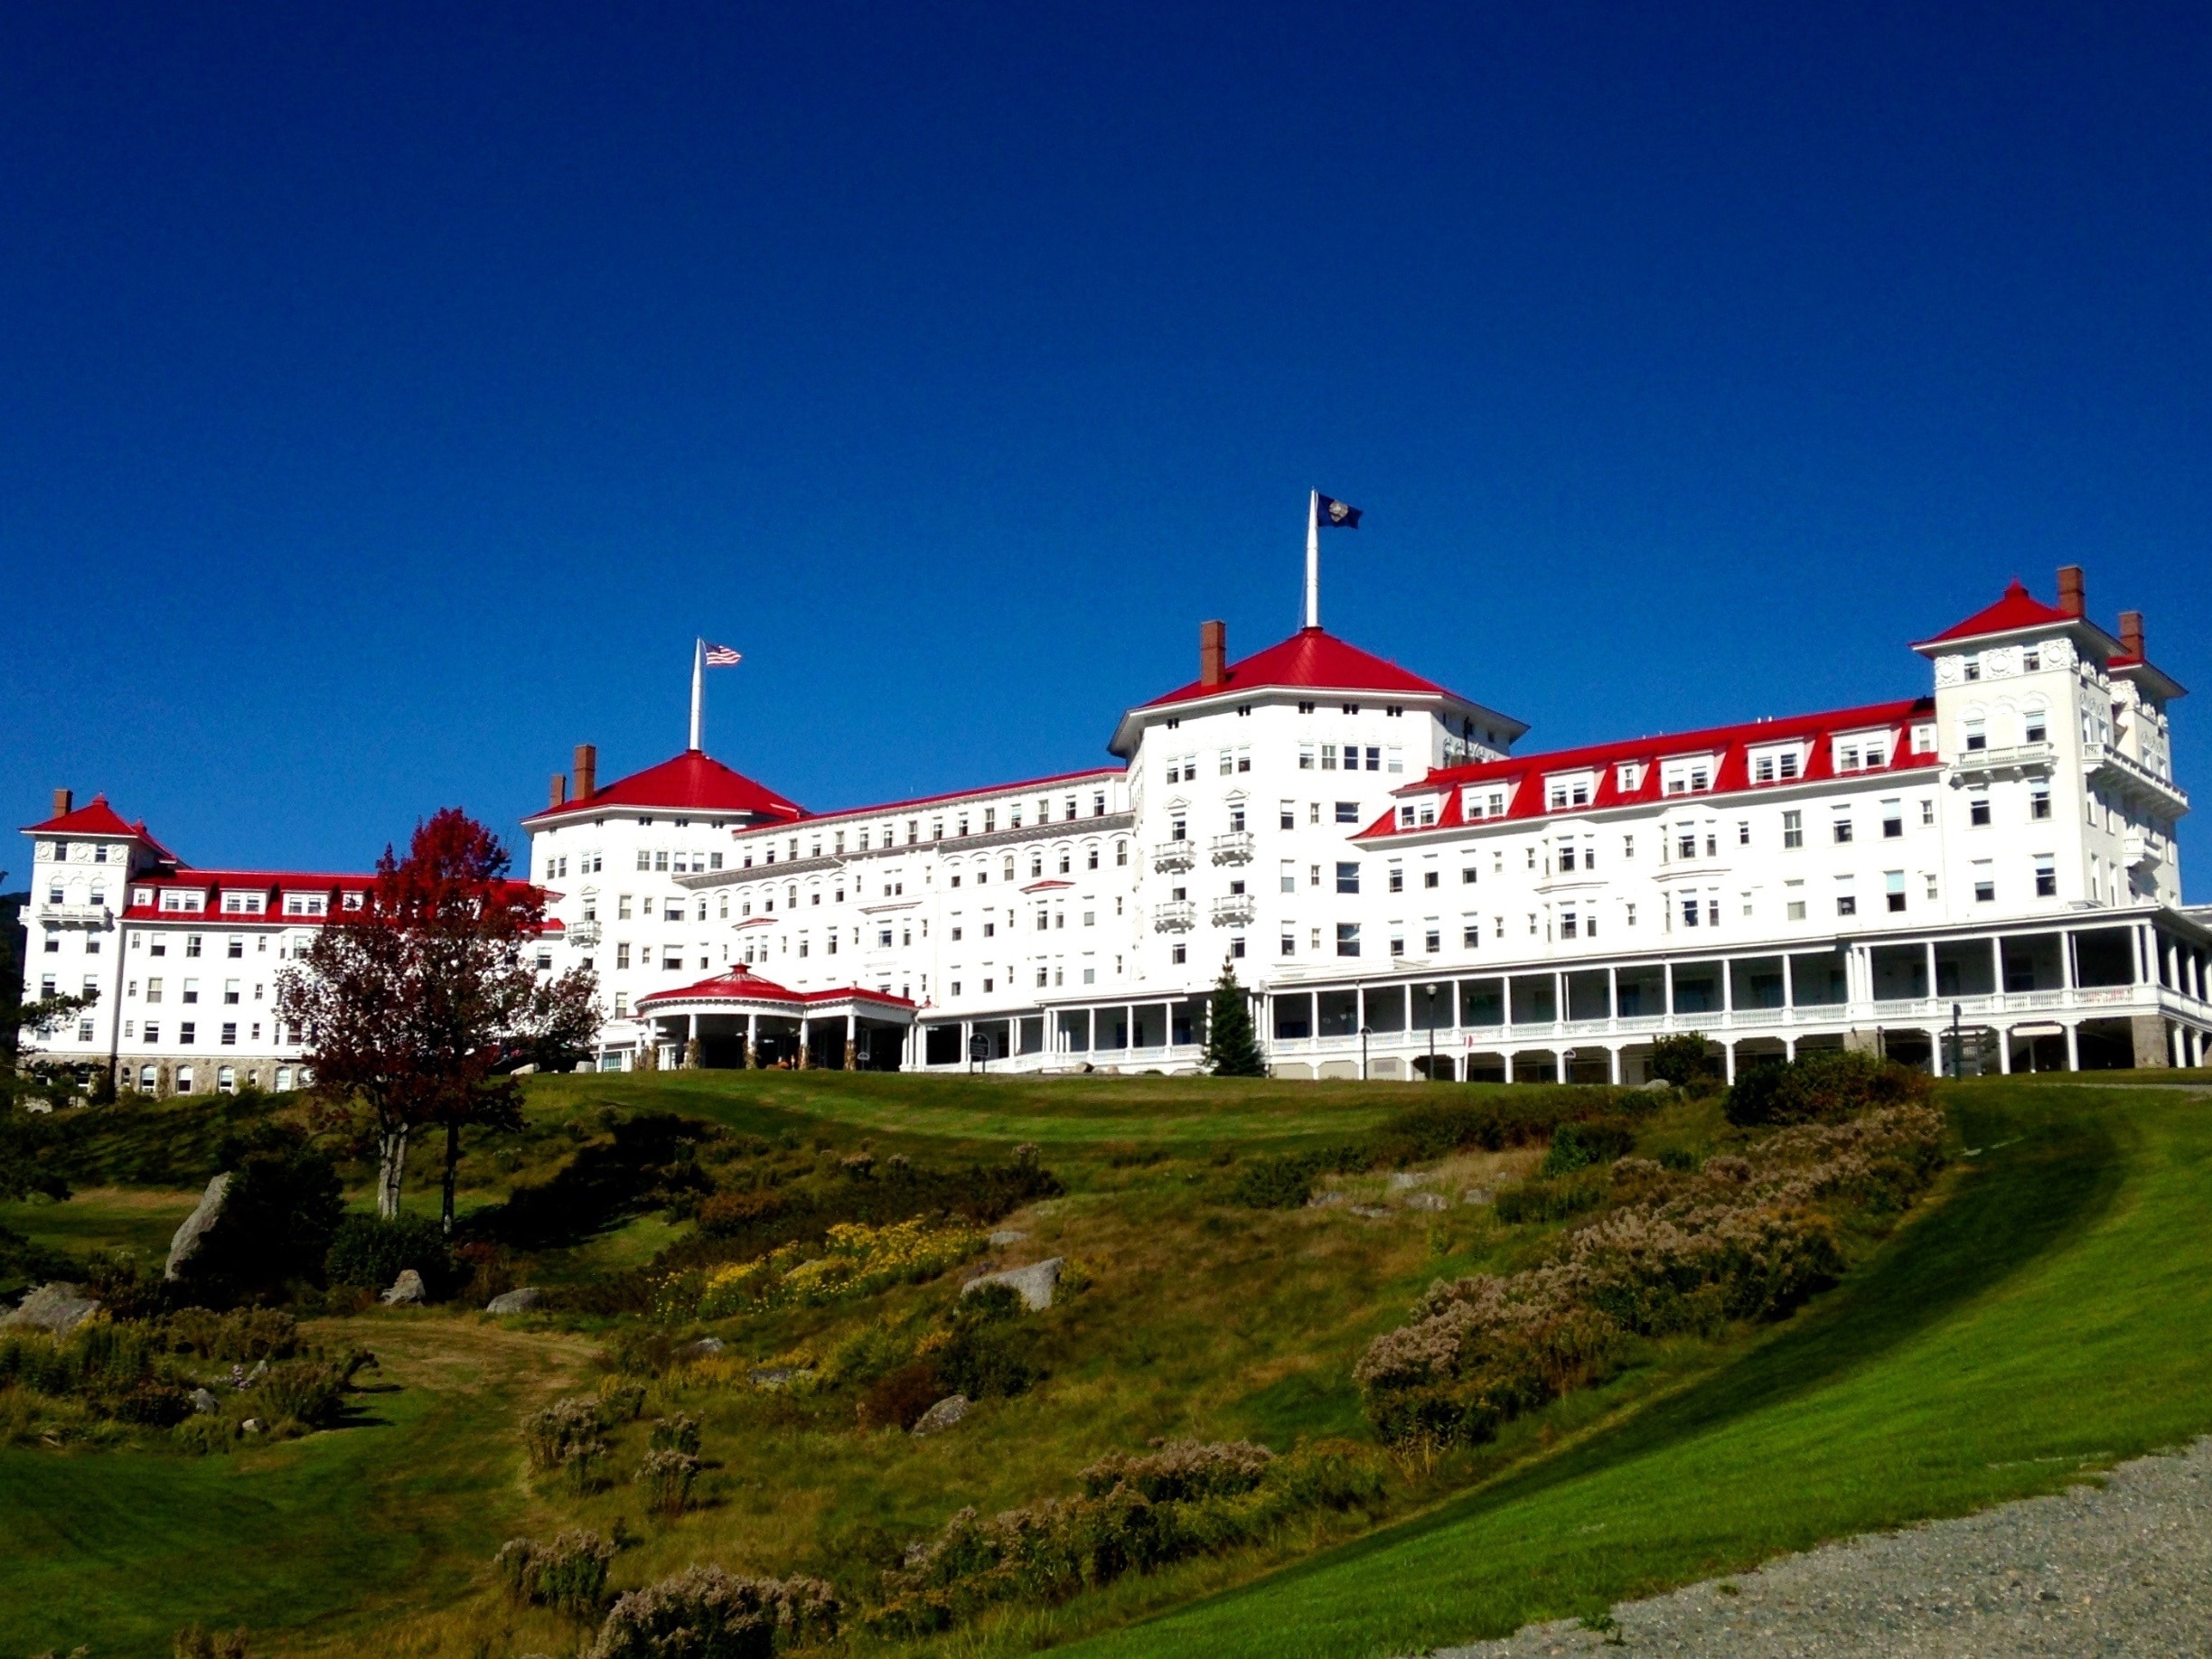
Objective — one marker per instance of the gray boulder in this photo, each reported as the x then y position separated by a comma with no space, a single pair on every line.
196,1226
406,1290
1427,1201
706,1347
942,1415
57,1308
1007,1235
514,1301
1034,1283
205,1403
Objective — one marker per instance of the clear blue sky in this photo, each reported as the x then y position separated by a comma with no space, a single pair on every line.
388,395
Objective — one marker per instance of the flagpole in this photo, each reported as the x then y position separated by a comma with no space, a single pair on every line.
1313,560
698,666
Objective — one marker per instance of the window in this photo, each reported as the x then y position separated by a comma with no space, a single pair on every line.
1431,879
2038,801
1397,758
231,992
1470,932
1977,732
1347,939
1397,878
1306,757
1690,909
1842,829
1348,878
188,1032
1793,829
1924,740
2032,659
2033,728
1978,807
1893,888
1287,815
1892,820
1971,665
1347,811
1847,898
1289,877
1328,758
1984,881
1468,875
2045,875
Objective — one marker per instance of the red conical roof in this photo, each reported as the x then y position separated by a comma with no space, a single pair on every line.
96,818
691,782
2018,609
1310,658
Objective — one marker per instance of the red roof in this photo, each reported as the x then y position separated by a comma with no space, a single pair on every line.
97,818
690,781
2018,609
1731,771
1311,659
741,984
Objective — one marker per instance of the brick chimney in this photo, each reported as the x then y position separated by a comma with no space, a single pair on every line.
2131,633
558,794
2073,598
587,771
64,801
1213,652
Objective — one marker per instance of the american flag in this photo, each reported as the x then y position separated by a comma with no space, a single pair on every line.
722,656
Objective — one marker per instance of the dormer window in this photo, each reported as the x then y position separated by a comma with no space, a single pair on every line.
1924,740
1628,777
1478,804
1776,766
1688,776
1567,790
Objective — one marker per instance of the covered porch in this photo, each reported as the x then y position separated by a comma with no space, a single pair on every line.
738,1021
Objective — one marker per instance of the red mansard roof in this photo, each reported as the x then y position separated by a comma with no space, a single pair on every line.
1729,744
1314,660
691,782
2018,609
741,984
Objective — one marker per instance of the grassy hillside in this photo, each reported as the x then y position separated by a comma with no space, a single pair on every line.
2045,1312
2055,1316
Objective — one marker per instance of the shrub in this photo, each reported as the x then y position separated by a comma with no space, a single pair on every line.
1183,1470
244,1334
1746,1237
726,1214
278,1220
666,1477
677,1433
1685,1059
1280,1183
1213,1498
569,1575
1823,1087
898,1400
309,1392
1577,1146
1550,1200
706,1613
553,1435
195,1641
856,1260
986,1354
371,1252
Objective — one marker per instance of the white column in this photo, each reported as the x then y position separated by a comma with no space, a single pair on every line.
2073,1033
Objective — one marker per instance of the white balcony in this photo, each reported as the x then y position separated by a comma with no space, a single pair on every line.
1175,855
92,916
1235,909
2019,760
583,933
1175,916
1235,847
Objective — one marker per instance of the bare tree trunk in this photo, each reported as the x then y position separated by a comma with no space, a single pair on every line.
392,1171
453,1157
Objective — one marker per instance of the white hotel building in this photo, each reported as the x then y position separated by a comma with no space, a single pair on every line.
1402,892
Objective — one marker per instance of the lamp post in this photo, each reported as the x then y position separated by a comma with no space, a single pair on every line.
1432,991
1958,1054
1363,1034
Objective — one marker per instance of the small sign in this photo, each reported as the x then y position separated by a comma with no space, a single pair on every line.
979,1048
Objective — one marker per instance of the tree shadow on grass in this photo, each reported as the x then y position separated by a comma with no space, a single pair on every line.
2038,1180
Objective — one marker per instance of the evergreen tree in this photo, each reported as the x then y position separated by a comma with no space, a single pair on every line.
1232,1046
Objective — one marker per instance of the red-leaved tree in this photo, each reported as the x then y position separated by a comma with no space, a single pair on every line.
416,1009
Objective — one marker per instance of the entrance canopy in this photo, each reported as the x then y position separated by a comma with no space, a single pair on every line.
743,991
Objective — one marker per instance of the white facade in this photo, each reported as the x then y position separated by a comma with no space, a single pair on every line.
183,963
1999,853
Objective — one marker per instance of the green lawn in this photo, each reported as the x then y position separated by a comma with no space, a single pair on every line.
116,1550
2056,1315
142,1220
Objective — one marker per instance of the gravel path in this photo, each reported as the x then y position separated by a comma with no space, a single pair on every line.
2120,1568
